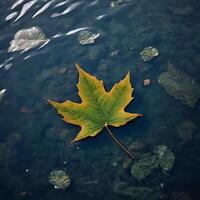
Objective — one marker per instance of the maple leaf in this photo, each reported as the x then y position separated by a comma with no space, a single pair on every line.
98,108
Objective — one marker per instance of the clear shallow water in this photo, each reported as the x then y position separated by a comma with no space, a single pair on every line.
32,136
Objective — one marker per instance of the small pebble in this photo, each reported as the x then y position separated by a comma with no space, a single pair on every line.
147,82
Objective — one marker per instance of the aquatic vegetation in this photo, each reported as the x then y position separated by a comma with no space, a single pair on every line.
136,147
99,108
149,53
87,37
59,179
26,39
161,157
144,166
180,86
166,158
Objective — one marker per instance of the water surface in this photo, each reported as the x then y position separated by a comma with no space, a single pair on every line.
34,140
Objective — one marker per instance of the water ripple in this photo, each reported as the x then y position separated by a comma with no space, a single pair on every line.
93,3
76,30
25,8
16,4
67,10
55,8
61,3
11,16
43,8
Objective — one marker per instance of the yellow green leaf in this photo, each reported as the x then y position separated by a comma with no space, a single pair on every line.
98,108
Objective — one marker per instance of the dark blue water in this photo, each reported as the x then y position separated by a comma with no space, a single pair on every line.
34,140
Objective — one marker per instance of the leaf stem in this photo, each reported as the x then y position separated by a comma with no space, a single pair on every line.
120,144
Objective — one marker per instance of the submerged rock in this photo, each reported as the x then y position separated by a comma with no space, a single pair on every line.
148,53
166,158
144,166
146,82
186,130
26,39
87,37
180,86
59,179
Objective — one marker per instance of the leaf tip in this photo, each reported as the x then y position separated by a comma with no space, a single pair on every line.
80,70
128,74
49,101
74,140
53,103
77,66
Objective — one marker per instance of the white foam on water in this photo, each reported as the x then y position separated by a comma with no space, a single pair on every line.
61,4
2,93
76,30
16,4
57,35
101,17
25,8
43,8
8,66
11,16
67,10
93,3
